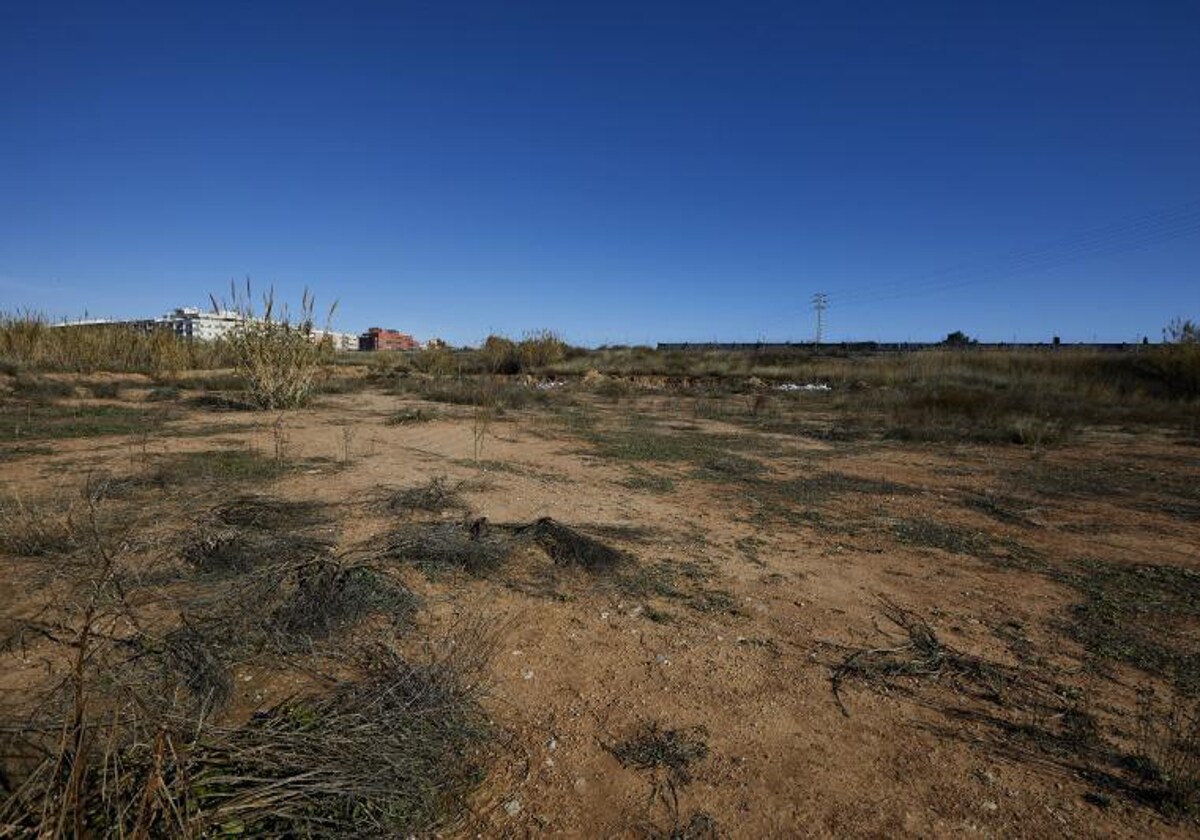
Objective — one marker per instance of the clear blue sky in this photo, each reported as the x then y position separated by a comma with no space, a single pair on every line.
621,172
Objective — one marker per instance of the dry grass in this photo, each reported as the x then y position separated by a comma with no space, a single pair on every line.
29,340
274,354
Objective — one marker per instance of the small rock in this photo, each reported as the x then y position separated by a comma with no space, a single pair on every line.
512,807
662,659
990,806
552,744
527,675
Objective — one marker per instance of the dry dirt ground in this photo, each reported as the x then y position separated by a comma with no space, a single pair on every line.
761,574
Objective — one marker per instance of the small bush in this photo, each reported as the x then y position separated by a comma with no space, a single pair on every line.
1168,750
654,747
104,390
36,530
37,388
435,496
541,348
278,359
408,417
500,355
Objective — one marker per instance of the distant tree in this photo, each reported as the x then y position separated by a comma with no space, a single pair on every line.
958,338
1182,331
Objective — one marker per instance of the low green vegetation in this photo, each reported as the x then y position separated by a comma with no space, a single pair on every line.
51,421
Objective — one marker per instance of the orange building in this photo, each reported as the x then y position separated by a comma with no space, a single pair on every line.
377,338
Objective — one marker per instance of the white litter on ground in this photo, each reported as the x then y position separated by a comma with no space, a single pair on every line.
810,386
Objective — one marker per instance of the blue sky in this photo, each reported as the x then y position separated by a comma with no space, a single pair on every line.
621,172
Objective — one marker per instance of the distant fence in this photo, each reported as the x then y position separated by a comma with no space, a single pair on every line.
885,346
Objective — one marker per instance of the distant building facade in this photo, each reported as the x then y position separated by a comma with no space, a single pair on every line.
378,338
195,324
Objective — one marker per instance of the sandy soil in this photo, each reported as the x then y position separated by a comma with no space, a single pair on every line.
573,674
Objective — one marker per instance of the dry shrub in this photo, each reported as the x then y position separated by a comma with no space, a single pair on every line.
540,348
1168,750
327,597
440,546
435,496
37,530
568,547
390,752
654,747
479,548
278,357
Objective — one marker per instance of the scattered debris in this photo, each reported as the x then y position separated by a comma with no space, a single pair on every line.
790,387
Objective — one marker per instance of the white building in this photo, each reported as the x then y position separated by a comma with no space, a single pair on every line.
208,325
189,322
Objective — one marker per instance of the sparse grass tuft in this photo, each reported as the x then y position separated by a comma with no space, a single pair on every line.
37,530
49,422
1139,614
409,416
435,496
328,598
442,546
104,390
392,751
163,393
654,747
215,467
1167,753
650,483
930,534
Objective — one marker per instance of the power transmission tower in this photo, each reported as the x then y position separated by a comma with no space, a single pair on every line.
820,303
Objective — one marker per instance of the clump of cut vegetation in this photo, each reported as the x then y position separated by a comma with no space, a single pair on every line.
42,389
1167,753
1028,714
441,546
328,597
163,393
269,513
104,390
37,530
568,547
479,547
408,417
234,551
278,357
672,751
253,532
434,496
392,751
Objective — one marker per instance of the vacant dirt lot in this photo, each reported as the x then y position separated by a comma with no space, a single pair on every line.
798,632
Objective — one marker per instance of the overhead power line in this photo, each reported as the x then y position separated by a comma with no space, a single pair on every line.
1147,229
